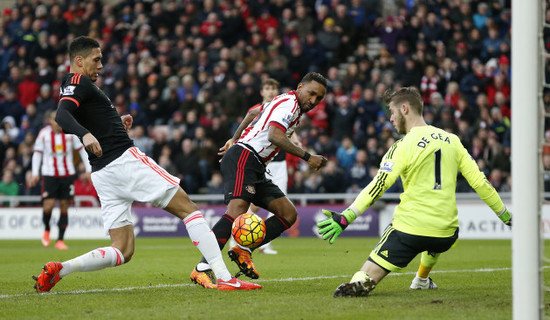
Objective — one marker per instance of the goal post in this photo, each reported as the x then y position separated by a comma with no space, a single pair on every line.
526,158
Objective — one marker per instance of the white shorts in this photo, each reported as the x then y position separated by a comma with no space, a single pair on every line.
131,177
277,172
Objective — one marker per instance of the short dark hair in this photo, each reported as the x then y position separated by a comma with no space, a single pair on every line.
82,46
270,82
314,76
405,94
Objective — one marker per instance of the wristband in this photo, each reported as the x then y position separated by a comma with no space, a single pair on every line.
306,156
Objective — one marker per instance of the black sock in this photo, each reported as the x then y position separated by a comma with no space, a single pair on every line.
62,224
274,226
222,231
46,216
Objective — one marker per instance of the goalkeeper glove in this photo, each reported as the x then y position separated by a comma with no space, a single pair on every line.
332,227
506,217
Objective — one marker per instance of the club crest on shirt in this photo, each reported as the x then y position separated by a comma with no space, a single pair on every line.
387,166
250,189
68,91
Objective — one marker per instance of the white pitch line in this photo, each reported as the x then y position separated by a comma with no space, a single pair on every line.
8,296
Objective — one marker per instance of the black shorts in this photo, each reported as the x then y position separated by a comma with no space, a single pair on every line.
396,249
244,178
58,188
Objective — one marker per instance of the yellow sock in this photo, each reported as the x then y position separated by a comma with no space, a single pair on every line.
423,271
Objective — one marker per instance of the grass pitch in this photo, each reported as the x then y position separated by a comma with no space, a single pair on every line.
474,280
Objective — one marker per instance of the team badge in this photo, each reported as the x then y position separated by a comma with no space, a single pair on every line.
250,189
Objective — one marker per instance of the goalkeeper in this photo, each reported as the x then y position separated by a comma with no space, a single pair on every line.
425,221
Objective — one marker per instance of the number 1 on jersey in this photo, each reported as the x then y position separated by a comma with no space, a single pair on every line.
437,185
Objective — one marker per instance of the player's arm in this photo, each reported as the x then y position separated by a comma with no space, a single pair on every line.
250,115
393,163
277,136
83,155
36,160
64,117
482,186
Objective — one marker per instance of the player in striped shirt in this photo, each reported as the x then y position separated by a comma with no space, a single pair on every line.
53,159
243,167
425,221
276,168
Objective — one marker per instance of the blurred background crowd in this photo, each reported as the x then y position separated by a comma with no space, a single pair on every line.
188,70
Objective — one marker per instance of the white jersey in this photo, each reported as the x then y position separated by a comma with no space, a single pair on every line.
55,151
283,112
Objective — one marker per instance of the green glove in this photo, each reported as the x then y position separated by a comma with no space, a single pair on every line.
332,227
506,217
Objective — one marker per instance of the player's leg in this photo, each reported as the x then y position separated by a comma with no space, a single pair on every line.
62,223
392,253
203,238
433,247
285,215
120,252
241,171
200,233
422,279
279,177
65,194
47,208
265,248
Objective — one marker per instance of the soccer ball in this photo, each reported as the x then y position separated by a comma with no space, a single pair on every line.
248,230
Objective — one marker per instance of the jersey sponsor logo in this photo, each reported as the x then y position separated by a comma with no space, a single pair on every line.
250,188
68,91
387,166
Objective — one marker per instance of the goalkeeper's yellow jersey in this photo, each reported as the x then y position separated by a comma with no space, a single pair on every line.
427,159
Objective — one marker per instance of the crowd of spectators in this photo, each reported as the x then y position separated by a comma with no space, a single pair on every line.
188,70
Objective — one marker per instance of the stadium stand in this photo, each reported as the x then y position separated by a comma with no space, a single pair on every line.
188,70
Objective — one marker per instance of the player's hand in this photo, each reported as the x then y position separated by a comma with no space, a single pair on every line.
317,161
34,180
226,147
91,143
127,121
506,217
335,224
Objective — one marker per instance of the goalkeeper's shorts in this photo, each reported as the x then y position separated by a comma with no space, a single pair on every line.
397,249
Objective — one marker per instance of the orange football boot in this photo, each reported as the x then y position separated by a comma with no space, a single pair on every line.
49,277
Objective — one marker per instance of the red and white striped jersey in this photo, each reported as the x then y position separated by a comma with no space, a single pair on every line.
55,152
283,112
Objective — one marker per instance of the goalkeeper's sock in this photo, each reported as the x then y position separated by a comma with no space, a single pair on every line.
358,276
94,260
427,261
203,238
274,226
423,271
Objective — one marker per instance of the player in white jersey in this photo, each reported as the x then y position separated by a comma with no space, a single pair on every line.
53,159
243,167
